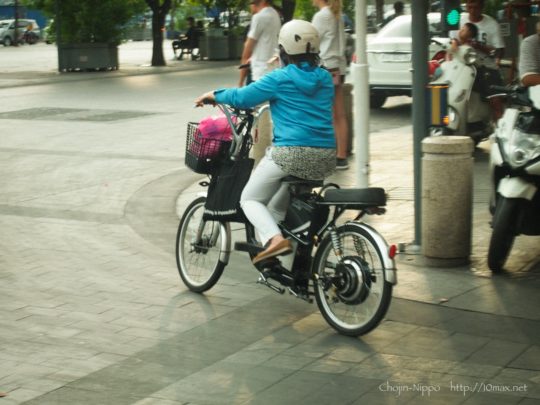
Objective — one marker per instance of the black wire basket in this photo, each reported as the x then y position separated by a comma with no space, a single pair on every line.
203,155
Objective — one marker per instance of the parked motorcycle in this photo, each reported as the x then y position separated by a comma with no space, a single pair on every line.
468,113
515,171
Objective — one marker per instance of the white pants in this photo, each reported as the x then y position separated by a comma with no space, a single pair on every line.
265,199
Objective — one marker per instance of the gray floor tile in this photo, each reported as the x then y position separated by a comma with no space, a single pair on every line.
530,359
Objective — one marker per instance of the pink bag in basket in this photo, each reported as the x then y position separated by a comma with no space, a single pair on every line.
212,133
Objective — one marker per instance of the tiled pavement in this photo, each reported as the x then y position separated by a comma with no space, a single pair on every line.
93,312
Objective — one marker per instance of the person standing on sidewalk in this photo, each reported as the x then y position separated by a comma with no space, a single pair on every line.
529,59
329,24
260,47
490,48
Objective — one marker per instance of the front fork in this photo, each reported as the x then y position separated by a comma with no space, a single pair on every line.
217,228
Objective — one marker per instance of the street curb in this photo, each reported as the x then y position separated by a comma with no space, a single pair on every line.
52,77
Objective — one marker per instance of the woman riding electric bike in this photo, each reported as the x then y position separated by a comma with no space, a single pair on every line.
300,96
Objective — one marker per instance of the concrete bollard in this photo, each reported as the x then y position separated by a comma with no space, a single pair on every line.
447,182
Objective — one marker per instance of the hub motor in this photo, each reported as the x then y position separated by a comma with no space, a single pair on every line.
353,280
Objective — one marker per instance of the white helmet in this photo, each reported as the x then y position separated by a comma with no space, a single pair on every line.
298,37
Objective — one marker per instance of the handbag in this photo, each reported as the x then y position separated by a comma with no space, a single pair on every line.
225,190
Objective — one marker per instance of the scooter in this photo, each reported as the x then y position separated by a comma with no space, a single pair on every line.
468,113
515,172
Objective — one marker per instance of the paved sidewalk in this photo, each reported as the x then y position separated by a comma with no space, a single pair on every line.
92,310
37,64
475,326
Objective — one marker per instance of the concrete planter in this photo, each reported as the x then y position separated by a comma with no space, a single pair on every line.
236,46
91,56
203,52
217,47
139,34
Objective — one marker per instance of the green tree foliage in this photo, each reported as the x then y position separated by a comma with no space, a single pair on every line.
492,6
181,10
83,21
304,10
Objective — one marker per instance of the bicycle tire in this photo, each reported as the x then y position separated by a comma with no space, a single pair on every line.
198,262
371,298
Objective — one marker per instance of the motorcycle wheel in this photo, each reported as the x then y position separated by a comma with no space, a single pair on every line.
504,233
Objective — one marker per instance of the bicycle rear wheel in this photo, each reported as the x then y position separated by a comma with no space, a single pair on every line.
352,294
199,247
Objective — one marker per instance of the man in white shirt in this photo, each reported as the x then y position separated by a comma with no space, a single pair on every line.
490,47
262,40
529,59
260,47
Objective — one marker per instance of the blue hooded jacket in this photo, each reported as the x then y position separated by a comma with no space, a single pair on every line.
300,99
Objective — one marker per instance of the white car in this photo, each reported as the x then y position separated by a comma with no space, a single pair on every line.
7,30
389,54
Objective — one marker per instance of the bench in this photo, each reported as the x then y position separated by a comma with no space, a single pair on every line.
186,46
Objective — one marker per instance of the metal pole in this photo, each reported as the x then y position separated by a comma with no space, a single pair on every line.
16,31
420,35
57,16
359,72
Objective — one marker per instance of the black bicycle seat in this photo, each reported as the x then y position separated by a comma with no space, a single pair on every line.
356,197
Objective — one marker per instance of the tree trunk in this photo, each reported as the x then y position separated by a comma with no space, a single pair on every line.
287,9
157,37
159,12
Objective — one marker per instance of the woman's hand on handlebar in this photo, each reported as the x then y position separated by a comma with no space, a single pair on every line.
206,98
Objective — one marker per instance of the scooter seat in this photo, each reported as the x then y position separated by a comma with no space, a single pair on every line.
356,198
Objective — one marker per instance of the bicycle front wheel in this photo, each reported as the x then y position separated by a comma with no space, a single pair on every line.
199,247
352,293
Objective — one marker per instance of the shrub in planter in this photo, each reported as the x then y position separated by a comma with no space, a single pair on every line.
88,23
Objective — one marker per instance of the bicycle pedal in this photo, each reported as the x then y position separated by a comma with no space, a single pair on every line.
267,264
280,275
248,247
303,295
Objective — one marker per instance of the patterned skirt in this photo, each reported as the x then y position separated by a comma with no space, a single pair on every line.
304,161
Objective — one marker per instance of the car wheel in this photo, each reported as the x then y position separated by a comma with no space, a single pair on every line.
377,99
7,41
